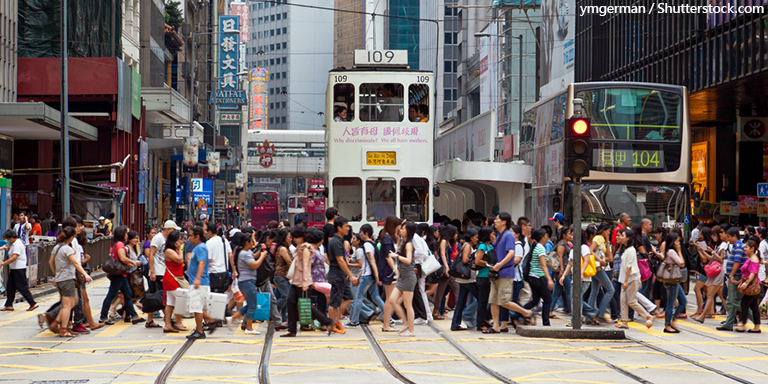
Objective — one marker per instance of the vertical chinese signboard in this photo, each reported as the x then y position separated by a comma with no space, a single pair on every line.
241,10
229,55
257,96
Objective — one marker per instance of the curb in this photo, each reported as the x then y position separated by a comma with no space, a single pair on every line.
49,288
560,333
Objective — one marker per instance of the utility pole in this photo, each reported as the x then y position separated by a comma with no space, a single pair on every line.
64,107
576,200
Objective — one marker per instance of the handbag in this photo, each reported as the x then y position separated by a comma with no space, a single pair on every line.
645,269
460,270
751,289
305,310
152,301
261,313
669,273
591,268
113,265
713,268
430,265
221,281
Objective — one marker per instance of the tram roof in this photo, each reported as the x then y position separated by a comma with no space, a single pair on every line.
378,69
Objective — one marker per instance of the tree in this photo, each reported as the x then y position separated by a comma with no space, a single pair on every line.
173,15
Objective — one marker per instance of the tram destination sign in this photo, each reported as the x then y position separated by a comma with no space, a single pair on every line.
228,97
627,158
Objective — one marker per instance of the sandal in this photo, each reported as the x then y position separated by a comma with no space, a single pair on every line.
621,326
152,324
172,330
66,333
107,322
753,331
490,330
406,334
137,320
95,327
32,307
389,330
7,309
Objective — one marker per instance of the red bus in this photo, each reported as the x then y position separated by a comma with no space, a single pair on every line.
265,207
316,203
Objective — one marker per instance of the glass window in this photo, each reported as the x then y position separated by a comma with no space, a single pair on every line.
380,198
271,120
277,75
414,194
278,31
283,104
271,91
343,97
271,32
271,105
285,30
449,38
633,114
284,75
282,89
381,102
271,61
282,119
285,45
272,18
285,15
279,16
348,197
418,103
285,60
271,47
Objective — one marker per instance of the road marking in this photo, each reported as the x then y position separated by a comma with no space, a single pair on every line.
114,330
701,328
20,317
650,331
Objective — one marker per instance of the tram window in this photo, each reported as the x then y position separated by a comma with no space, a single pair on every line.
380,198
347,197
381,102
343,99
414,194
418,103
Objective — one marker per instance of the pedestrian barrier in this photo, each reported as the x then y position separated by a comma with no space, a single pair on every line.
39,254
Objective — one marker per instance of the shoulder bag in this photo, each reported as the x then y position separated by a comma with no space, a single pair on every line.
749,289
458,269
713,268
430,264
669,272
113,265
183,283
591,268
221,281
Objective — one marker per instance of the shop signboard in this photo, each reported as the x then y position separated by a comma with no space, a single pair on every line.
748,204
257,97
135,94
762,208
699,154
191,153
229,55
752,128
242,10
729,208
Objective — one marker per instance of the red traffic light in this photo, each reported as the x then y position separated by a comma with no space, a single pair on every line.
580,126
229,206
237,208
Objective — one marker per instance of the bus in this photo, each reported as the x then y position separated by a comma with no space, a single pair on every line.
315,203
265,207
641,156
380,134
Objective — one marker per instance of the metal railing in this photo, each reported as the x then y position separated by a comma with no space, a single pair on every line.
39,254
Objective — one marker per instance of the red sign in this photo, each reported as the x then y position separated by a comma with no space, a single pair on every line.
509,147
243,11
754,129
189,224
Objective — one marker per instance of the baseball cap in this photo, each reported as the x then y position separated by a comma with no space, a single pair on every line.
171,224
233,231
557,217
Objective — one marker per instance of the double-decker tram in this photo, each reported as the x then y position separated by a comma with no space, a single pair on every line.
297,209
379,132
265,207
315,216
641,153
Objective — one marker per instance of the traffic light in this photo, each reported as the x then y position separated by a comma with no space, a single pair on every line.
229,206
578,147
237,208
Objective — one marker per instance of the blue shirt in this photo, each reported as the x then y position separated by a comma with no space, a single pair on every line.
549,246
198,254
735,256
503,245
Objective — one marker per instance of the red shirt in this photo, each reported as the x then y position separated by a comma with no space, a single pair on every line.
615,231
37,230
172,269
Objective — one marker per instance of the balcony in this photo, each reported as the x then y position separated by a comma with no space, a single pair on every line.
165,106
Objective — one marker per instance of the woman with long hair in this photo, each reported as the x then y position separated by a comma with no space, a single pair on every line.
174,268
749,272
247,265
629,277
433,242
302,283
700,288
466,286
484,238
65,265
715,251
539,277
283,260
119,283
657,252
136,273
603,257
563,289
405,285
674,290
385,264
447,250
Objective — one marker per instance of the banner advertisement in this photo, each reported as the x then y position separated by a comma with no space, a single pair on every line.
762,208
242,10
191,148
213,163
704,210
748,204
729,208
257,96
558,24
699,154
229,55
239,181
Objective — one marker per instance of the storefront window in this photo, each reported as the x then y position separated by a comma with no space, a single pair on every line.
380,198
347,197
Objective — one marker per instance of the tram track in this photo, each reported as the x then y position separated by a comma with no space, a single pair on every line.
166,372
265,352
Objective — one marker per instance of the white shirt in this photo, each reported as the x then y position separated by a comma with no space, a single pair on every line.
420,250
585,252
763,248
158,242
79,252
216,256
519,251
369,249
23,232
17,248
629,260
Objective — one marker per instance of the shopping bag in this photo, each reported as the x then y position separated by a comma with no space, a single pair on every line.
262,307
305,311
236,293
152,301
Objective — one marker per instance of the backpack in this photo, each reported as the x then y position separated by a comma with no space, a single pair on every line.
553,262
527,263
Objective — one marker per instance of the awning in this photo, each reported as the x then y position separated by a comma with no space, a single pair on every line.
38,121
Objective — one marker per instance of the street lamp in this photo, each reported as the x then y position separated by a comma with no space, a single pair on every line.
520,96
192,35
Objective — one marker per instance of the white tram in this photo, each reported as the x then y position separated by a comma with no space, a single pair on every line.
379,132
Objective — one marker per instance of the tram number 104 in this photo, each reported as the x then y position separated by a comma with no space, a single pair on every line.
628,158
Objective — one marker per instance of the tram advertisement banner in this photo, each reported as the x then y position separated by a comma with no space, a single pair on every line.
729,208
748,204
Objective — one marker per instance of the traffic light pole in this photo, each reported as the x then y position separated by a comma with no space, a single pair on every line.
577,260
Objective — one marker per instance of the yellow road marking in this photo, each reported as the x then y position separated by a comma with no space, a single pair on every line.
561,372
113,330
651,331
701,328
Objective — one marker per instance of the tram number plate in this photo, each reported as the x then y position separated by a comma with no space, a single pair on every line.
381,158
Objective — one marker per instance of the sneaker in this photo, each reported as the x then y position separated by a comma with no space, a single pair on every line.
80,329
195,335
253,332
339,329
420,321
350,324
114,316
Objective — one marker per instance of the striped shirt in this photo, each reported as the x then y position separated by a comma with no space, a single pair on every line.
538,251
